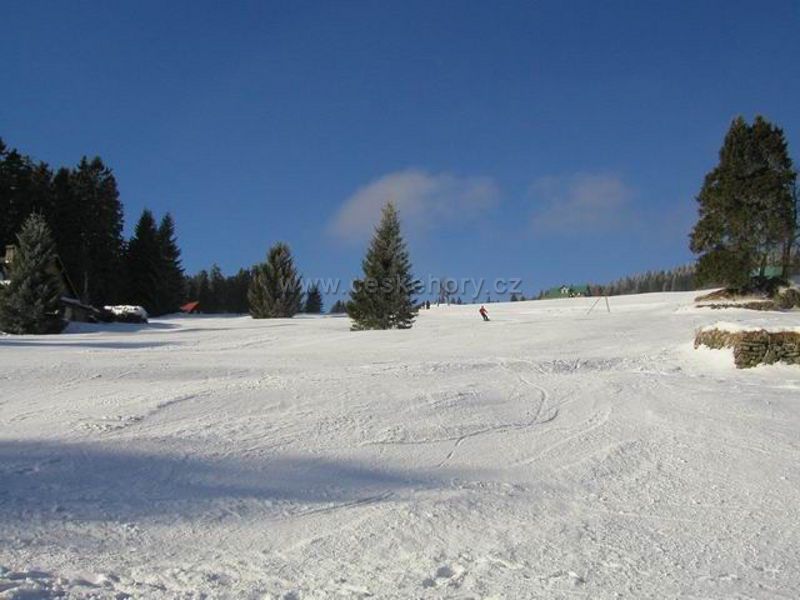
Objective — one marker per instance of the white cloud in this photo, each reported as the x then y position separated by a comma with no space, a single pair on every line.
425,201
581,203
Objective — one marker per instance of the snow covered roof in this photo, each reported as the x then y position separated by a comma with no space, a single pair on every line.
124,309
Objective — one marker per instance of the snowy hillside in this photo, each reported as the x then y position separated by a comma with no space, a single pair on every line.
546,454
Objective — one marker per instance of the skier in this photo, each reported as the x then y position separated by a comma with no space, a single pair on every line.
484,312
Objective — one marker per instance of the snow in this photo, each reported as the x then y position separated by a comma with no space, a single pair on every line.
124,310
742,327
545,454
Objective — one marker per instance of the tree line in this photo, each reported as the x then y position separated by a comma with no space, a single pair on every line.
82,210
680,279
217,294
382,299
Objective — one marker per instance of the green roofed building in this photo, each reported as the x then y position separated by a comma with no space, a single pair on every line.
567,291
776,272
770,271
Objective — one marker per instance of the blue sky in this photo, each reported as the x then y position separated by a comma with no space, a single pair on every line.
549,141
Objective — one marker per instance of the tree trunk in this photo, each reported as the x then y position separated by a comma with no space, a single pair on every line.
786,258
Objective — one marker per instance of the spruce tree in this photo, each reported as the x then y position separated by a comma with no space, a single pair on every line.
71,224
275,288
16,202
97,202
313,301
30,303
171,278
338,308
384,297
745,205
204,292
144,265
217,288
792,252
190,285
239,283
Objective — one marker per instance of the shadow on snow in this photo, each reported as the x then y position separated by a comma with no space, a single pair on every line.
86,344
44,480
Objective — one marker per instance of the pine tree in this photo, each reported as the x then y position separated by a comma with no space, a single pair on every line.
338,308
203,292
70,224
17,193
101,253
30,303
171,279
793,251
275,289
313,301
745,205
83,210
240,283
384,298
190,286
217,291
144,265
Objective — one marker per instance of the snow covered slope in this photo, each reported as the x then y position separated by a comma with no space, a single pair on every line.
546,454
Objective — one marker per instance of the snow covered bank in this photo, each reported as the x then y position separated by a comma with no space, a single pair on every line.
742,327
547,454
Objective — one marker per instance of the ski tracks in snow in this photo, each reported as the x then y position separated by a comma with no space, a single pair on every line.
521,394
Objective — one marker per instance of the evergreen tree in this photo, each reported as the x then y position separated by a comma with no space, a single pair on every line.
203,292
40,194
190,286
794,244
69,227
144,265
745,205
239,285
101,252
171,278
384,298
313,301
338,308
16,193
30,303
217,291
275,289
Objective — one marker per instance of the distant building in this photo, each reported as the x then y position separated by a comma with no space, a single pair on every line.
567,291
777,271
191,308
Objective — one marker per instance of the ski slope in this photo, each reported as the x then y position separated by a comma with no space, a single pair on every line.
546,454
